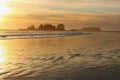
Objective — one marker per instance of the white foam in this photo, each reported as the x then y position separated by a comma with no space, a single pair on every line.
37,34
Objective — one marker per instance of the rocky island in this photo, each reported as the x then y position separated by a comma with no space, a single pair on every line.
91,29
46,27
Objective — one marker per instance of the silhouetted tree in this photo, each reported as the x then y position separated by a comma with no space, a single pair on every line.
32,27
60,27
41,27
47,27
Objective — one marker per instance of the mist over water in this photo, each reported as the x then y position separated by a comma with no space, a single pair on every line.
93,56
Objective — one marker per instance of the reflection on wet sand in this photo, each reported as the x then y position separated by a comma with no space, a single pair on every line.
2,54
66,58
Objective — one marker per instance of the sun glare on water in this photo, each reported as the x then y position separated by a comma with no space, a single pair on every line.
1,54
3,9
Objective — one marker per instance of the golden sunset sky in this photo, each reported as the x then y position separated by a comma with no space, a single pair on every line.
16,14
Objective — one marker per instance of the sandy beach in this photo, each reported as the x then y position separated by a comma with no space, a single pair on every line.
94,56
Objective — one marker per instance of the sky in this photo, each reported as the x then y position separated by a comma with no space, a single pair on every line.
17,14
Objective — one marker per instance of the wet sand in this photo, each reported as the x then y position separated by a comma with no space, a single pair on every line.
84,57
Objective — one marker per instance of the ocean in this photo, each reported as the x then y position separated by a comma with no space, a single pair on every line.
68,55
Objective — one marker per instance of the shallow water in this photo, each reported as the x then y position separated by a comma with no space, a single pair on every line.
37,34
82,57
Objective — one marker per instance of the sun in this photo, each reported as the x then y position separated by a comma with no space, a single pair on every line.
3,9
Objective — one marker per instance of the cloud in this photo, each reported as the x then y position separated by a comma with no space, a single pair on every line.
84,12
93,6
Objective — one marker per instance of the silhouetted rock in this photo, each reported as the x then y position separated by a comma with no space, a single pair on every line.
93,29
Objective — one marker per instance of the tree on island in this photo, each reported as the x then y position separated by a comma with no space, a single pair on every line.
60,27
32,27
47,27
41,27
